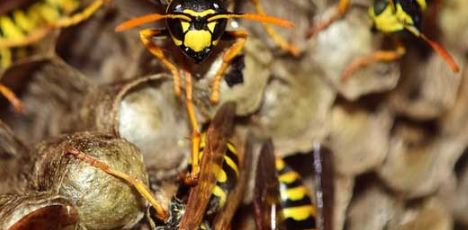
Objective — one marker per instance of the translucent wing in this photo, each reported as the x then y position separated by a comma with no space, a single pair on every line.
266,194
216,138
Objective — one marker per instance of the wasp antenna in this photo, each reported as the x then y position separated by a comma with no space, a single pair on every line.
256,17
438,48
442,52
147,19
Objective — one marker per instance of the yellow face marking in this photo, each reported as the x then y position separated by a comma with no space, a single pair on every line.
199,14
185,26
299,213
215,42
211,26
390,21
289,177
294,194
178,43
197,40
217,191
279,163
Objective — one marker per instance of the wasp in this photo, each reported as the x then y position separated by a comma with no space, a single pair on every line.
196,27
25,22
213,201
394,17
282,201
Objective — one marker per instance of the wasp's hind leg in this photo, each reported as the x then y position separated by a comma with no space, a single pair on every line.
134,181
338,12
386,56
145,36
286,46
232,52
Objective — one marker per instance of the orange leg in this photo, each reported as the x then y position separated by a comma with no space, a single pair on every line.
386,56
290,48
227,58
192,179
145,36
11,97
134,181
340,10
63,22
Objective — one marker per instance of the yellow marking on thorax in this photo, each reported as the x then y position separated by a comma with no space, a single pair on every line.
294,194
199,14
289,177
197,40
389,21
299,213
217,191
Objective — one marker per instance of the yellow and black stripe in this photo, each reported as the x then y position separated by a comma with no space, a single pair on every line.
298,211
20,22
227,177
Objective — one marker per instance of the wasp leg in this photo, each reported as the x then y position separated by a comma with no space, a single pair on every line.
340,10
145,36
66,21
227,58
134,181
386,56
290,48
192,178
11,97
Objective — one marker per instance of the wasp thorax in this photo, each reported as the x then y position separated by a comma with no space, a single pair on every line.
196,36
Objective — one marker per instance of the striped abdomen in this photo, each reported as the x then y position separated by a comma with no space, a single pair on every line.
21,22
227,178
298,210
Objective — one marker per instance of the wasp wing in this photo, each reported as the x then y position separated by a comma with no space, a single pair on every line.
223,219
266,195
216,143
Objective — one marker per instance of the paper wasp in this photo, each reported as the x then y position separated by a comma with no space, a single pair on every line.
213,201
393,17
25,22
196,27
282,201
